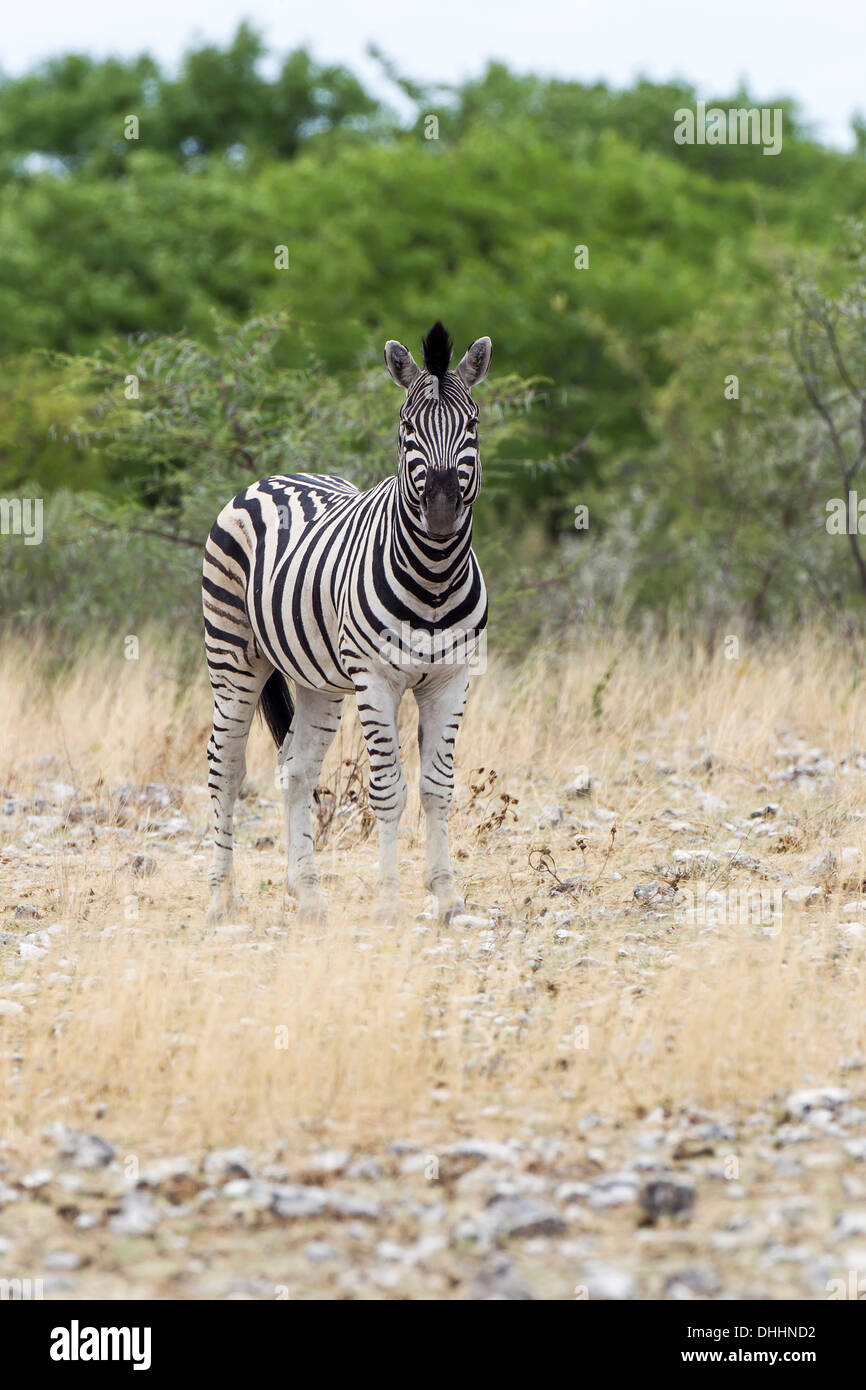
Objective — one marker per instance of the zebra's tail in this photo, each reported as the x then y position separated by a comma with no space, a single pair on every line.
277,706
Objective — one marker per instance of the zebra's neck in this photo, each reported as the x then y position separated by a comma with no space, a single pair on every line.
423,564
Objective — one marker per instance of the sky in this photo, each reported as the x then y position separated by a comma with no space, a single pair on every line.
812,50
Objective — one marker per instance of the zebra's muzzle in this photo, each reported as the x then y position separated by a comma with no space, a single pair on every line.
442,505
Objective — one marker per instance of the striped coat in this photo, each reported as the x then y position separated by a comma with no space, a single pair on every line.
309,581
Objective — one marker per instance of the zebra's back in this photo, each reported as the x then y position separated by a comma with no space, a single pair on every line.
273,561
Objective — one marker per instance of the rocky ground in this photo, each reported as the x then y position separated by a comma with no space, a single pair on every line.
771,1204
643,1071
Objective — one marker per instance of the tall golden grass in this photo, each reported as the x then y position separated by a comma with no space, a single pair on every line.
175,1037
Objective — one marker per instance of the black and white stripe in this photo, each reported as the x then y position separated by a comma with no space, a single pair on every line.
307,578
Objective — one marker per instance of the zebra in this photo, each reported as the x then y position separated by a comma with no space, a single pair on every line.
309,580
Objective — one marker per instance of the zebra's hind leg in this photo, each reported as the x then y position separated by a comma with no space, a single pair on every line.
316,718
237,676
440,710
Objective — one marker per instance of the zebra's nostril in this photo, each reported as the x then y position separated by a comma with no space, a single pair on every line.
442,516
442,485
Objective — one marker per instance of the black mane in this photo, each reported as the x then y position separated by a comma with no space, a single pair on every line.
437,351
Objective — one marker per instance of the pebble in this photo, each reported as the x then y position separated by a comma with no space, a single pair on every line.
366,1168
614,1190
607,1283
138,1215
227,1163
850,1223
498,1281
331,1160
62,1259
40,1177
667,1196
803,895
507,1217
804,1103
80,1150
692,1283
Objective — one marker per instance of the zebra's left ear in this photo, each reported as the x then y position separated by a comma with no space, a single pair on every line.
400,363
476,360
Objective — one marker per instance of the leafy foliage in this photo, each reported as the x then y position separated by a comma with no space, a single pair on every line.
157,257
180,427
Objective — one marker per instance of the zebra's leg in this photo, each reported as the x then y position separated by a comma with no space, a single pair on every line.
440,708
284,754
378,702
317,715
237,678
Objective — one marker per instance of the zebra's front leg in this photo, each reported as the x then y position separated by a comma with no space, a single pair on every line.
441,701
315,721
378,702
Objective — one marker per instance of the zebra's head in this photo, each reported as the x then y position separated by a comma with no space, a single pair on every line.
439,467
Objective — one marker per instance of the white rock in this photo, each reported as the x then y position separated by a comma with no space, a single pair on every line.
331,1160
163,1169
801,1103
62,1259
605,1281
850,1223
221,1162
40,1177
28,951
803,895
138,1215
79,1149
490,1150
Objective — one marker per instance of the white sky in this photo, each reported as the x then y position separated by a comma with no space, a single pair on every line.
813,50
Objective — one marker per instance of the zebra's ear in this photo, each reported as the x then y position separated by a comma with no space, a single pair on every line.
400,363
476,360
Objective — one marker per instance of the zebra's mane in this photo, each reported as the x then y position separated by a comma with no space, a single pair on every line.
437,351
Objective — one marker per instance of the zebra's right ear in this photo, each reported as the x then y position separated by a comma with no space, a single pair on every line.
401,364
476,360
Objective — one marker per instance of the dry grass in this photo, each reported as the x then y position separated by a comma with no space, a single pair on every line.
270,1033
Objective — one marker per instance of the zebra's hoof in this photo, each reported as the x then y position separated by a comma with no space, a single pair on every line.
455,909
224,907
388,912
313,910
